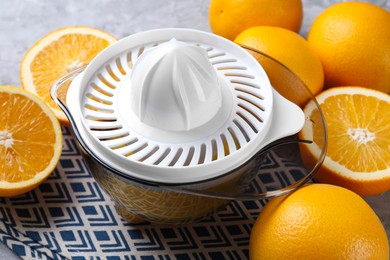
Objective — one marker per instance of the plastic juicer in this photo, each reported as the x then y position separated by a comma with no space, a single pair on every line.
174,123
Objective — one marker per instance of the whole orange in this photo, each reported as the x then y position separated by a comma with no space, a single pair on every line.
230,17
290,49
353,42
318,221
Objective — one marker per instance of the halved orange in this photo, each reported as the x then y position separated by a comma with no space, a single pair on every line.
30,141
57,54
358,124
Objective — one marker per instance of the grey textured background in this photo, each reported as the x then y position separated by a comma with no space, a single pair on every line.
23,22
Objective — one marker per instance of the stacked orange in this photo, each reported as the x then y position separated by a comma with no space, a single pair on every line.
229,18
299,57
352,40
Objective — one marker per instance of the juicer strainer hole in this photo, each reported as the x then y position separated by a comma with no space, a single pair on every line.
231,67
162,157
176,157
215,55
111,138
225,143
254,114
223,61
120,67
99,119
111,73
148,155
100,90
129,60
105,128
241,75
135,151
105,81
98,109
251,102
242,130
244,83
246,120
99,100
214,150
123,144
202,155
235,138
190,156
249,93
140,51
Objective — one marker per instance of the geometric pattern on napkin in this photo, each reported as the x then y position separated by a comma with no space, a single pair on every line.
70,217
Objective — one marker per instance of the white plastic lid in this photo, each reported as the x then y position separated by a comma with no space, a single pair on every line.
177,106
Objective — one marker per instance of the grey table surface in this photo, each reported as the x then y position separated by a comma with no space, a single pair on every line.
23,22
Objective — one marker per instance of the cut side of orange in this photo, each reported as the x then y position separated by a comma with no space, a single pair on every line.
358,125
30,141
57,54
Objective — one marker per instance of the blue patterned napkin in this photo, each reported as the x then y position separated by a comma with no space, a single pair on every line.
70,217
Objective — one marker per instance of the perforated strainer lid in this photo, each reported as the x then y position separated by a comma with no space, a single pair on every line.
178,106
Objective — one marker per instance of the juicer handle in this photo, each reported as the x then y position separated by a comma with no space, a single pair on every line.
287,119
